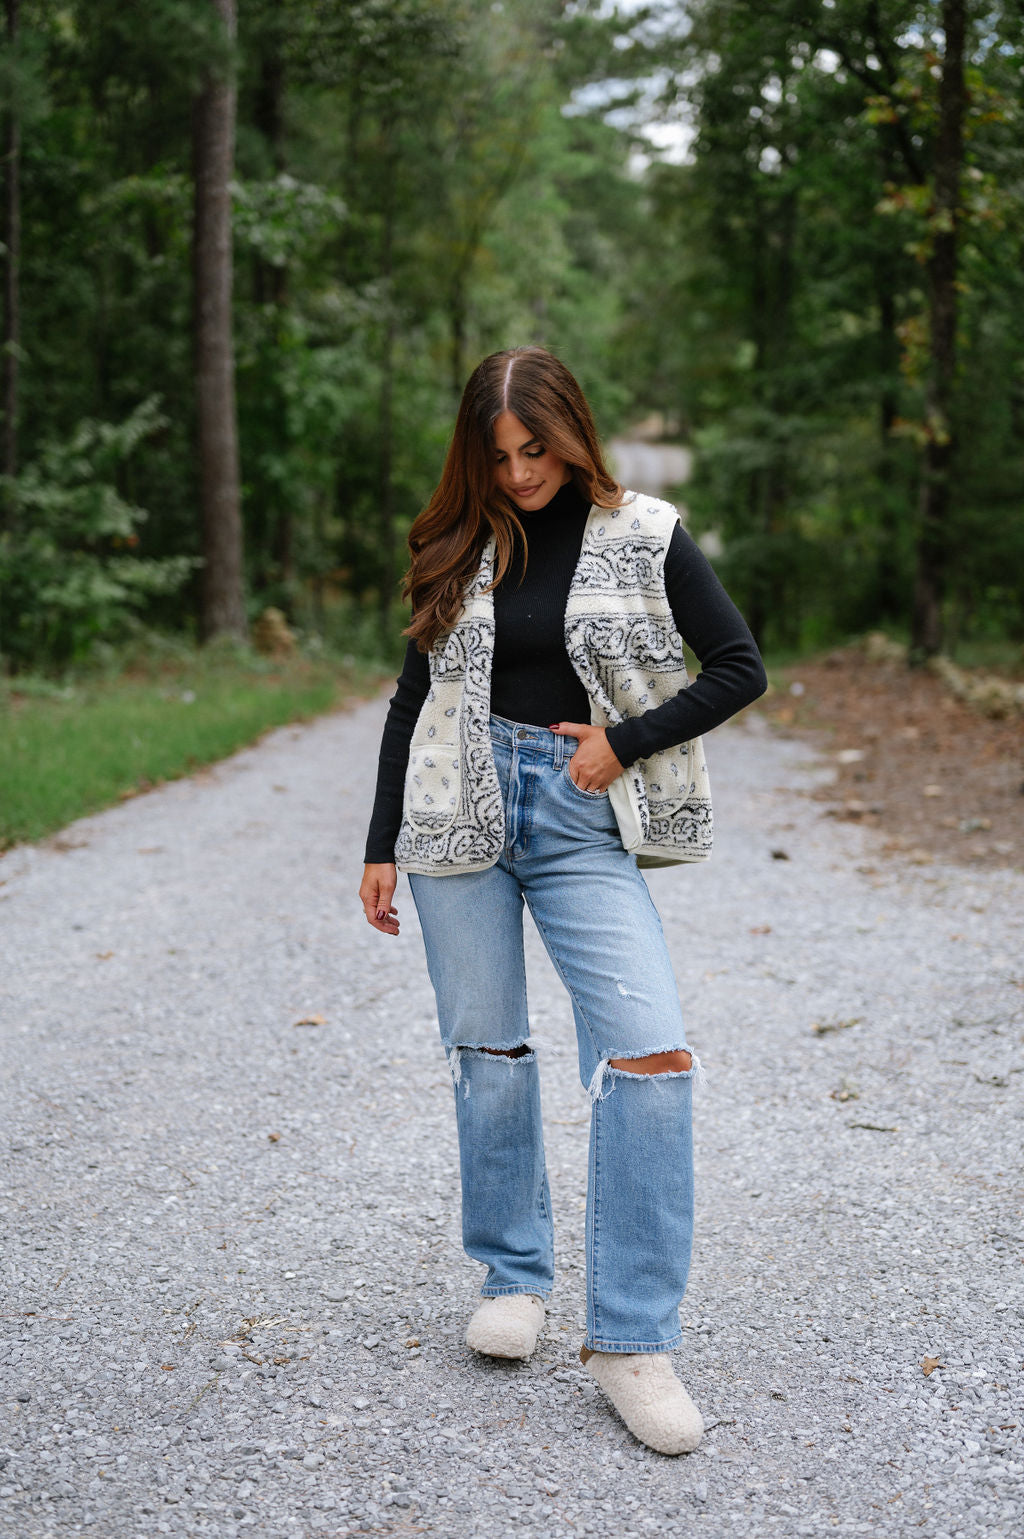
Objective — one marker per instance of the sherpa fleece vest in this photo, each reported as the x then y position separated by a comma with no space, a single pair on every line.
622,640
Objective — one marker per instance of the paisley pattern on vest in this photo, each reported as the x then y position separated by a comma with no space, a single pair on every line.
453,819
622,640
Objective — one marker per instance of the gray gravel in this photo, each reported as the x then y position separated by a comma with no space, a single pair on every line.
234,1291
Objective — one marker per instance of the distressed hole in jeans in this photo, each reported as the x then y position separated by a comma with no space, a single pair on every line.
522,1050
672,1063
679,1061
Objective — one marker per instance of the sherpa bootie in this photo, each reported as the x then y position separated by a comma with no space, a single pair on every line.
643,1388
506,1326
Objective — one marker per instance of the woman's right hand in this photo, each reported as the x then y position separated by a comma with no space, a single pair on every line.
375,893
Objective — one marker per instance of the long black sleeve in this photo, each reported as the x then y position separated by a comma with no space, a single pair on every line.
406,703
731,671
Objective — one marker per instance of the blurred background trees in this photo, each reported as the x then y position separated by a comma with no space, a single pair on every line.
819,288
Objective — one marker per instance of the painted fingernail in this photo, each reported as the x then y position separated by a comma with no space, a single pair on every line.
381,914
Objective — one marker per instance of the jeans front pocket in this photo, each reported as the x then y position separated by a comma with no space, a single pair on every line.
587,796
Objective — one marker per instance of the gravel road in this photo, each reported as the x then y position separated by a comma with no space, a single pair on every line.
234,1293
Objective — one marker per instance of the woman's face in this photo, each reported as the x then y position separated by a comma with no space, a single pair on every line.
524,468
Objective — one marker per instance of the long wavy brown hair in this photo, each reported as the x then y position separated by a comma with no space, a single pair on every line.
449,535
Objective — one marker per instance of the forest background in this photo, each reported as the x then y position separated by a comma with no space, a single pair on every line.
251,255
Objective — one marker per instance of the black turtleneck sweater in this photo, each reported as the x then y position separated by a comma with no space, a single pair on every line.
533,680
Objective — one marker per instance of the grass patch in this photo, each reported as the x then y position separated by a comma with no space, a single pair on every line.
73,748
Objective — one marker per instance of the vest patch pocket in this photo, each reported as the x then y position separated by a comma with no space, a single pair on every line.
433,784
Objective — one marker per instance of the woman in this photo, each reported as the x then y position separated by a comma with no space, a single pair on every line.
541,724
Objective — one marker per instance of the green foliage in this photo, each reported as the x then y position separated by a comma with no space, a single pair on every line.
790,270
419,182
72,569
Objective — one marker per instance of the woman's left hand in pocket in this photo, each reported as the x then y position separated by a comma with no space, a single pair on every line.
593,766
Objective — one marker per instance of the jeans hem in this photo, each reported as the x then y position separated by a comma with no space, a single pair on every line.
598,1344
513,1288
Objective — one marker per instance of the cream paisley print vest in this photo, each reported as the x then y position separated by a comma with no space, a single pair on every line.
622,641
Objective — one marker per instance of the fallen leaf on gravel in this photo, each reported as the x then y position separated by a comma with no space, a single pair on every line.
779,855
930,1364
104,956
822,1028
761,929
312,1020
872,1127
168,1367
414,1341
275,1138
853,808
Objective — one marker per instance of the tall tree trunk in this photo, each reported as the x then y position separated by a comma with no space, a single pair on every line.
783,595
270,287
271,279
758,605
12,242
385,483
457,334
771,302
213,147
890,592
933,506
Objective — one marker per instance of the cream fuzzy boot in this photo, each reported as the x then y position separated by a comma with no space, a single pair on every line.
506,1326
650,1399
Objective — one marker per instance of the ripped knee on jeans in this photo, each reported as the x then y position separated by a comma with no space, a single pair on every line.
521,1050
678,1062
673,1063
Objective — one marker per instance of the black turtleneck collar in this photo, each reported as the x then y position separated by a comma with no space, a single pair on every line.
568,499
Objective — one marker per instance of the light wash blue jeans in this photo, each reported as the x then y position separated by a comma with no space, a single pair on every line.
601,929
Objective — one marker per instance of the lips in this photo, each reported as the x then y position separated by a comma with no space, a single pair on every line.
525,491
